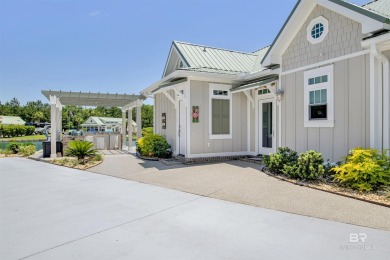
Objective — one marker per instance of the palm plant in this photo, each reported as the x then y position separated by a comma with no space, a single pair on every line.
80,149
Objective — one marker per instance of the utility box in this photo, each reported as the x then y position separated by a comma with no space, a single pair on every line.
46,146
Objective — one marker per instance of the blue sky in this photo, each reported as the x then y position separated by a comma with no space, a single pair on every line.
119,46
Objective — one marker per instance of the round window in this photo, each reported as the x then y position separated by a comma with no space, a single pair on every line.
317,30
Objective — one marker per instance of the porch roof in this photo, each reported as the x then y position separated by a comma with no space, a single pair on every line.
256,84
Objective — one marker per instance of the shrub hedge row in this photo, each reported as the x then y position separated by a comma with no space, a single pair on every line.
364,169
16,130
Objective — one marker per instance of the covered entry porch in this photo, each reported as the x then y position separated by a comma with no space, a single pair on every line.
126,102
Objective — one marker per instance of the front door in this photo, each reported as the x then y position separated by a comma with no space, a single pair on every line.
182,127
266,126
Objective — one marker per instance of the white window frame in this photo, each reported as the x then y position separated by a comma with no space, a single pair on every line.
212,87
325,23
328,71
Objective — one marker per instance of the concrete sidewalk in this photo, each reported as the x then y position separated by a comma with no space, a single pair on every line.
242,182
52,212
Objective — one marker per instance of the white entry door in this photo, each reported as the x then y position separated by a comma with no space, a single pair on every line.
267,120
182,127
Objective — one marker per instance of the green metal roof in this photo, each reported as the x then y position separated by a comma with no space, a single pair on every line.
104,121
381,7
11,120
210,59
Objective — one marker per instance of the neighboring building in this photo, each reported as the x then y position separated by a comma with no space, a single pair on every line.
105,124
323,84
11,120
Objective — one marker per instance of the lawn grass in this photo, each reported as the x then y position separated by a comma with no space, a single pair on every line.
25,138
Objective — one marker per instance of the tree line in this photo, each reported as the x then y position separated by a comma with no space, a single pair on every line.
72,116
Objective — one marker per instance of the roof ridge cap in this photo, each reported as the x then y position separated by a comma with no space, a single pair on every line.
261,48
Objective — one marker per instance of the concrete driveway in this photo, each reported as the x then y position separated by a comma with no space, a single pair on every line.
52,212
243,182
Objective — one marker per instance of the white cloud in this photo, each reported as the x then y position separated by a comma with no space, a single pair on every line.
95,13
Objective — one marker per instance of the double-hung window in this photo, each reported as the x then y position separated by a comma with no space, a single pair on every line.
319,99
220,112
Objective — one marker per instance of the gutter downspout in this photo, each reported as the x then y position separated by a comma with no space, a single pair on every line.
385,99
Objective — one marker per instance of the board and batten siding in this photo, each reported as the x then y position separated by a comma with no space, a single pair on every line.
199,139
344,37
164,105
351,112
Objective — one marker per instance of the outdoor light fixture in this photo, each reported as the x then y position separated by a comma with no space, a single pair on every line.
279,93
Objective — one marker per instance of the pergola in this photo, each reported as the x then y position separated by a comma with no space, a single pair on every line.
125,101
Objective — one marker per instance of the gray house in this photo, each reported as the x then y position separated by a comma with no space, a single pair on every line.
323,84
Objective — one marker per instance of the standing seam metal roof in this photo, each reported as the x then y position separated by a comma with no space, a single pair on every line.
382,7
203,57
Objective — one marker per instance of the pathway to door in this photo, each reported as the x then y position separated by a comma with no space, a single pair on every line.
53,212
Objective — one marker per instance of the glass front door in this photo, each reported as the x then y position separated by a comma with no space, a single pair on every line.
267,124
266,128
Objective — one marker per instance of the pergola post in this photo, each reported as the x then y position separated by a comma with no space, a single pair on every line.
130,127
59,121
139,121
53,126
123,129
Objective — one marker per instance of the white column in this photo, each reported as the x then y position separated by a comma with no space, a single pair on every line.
130,127
60,121
53,126
123,129
139,121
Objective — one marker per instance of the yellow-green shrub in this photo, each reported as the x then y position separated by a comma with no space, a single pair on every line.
153,146
364,170
27,150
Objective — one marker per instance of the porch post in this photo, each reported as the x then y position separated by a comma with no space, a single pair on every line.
130,127
139,121
53,127
123,129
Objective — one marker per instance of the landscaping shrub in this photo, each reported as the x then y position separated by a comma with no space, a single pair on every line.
16,130
147,131
153,146
13,147
80,149
277,161
329,170
364,170
309,165
27,150
97,157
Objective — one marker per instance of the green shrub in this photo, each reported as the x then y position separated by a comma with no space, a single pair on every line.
154,146
16,130
27,150
13,147
309,166
80,149
147,131
364,170
284,156
97,157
